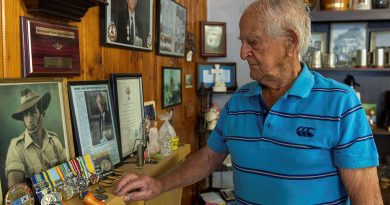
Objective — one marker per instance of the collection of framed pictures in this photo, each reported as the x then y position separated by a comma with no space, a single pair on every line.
101,118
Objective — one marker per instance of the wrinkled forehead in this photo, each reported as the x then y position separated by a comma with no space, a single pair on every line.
251,16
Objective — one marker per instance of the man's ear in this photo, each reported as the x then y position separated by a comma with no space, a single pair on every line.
292,42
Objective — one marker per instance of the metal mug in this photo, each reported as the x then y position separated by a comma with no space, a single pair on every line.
316,59
379,58
361,58
330,60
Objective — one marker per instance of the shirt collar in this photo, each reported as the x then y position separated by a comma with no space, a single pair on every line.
28,140
301,86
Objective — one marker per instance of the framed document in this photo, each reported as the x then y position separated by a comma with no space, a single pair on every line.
25,103
206,79
49,49
128,24
93,121
171,28
171,87
129,102
213,35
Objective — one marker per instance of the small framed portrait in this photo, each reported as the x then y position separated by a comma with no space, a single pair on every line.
171,28
93,119
318,42
34,114
379,38
171,87
189,80
129,102
206,77
150,115
213,39
128,24
345,40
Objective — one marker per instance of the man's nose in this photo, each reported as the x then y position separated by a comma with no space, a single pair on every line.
245,51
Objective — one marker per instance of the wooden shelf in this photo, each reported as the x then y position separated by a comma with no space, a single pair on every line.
351,15
381,131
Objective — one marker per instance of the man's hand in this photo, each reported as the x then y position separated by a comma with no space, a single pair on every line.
136,187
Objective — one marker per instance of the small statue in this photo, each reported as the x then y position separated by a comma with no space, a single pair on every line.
212,116
219,86
372,118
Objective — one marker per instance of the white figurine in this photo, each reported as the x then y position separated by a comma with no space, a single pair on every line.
212,117
219,86
153,145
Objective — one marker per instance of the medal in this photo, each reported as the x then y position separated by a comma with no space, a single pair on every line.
66,192
19,194
49,199
94,178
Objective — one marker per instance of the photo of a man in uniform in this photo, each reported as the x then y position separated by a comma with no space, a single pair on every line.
36,149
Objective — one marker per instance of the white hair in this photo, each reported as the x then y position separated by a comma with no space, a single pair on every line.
280,16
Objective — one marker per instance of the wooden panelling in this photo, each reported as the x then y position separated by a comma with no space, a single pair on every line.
98,61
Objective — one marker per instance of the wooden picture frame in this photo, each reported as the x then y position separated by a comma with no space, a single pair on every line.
129,103
379,38
213,39
205,79
171,28
49,49
48,94
116,25
171,88
94,133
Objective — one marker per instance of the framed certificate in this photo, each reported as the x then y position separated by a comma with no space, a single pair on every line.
93,119
129,102
49,49
206,79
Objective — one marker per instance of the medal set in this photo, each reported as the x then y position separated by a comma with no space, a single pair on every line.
64,181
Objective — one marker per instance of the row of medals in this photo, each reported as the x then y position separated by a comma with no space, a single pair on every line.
65,190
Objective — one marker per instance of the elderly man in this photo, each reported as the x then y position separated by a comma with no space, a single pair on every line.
36,149
294,136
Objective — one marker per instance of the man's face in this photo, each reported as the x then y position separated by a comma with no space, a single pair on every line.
131,4
100,103
265,56
32,119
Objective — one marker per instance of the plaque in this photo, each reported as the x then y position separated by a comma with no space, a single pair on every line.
49,49
19,194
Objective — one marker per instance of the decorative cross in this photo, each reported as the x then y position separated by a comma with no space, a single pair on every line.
217,71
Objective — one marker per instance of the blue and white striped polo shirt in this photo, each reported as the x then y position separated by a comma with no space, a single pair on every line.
291,156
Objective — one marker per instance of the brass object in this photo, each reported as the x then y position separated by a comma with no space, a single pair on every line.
334,4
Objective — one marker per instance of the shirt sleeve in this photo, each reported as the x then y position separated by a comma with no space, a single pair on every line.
355,147
14,160
60,150
216,139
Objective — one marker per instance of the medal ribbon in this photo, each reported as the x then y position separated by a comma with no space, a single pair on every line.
82,168
89,163
60,173
69,165
47,179
76,165
51,179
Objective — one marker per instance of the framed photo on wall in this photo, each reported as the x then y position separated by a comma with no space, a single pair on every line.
171,87
213,39
206,79
129,102
94,124
26,102
171,28
379,38
128,24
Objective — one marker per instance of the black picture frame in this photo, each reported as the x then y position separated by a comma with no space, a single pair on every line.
114,31
213,39
56,119
172,86
205,79
171,28
93,134
129,103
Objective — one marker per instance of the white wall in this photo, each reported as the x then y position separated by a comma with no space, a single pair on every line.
229,11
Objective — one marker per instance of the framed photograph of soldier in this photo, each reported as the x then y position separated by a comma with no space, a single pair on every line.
49,49
171,87
129,102
36,133
128,24
171,28
213,39
93,119
206,75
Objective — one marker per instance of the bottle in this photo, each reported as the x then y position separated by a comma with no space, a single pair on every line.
350,80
